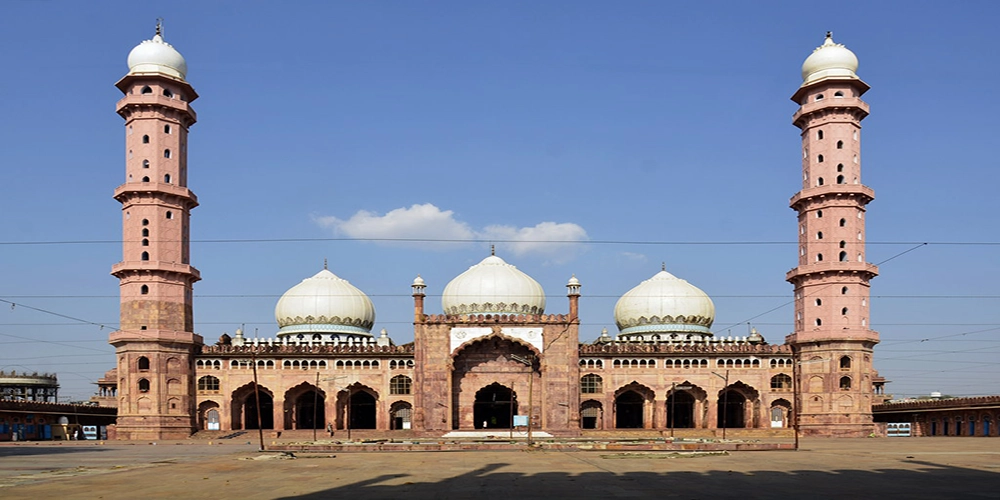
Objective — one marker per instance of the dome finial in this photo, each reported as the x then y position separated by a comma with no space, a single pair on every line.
325,264
829,34
159,26
493,249
663,266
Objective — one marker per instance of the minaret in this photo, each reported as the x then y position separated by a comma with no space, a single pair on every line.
832,335
155,342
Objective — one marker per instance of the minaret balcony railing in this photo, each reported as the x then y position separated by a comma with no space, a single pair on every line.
122,192
833,267
124,268
833,190
831,103
155,100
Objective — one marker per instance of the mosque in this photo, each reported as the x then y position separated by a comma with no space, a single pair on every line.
494,356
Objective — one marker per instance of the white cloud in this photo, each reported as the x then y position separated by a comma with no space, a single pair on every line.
556,242
636,257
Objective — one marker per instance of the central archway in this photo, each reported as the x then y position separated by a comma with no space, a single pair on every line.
629,410
266,411
732,409
309,411
493,407
680,410
362,410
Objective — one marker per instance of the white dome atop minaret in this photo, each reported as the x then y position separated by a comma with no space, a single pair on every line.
157,56
829,60
493,287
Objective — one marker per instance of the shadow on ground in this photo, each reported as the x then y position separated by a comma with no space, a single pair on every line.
930,481
28,450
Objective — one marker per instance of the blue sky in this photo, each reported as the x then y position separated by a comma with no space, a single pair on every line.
662,124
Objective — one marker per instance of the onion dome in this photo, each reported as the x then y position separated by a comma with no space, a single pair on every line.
157,56
493,287
829,60
325,303
664,304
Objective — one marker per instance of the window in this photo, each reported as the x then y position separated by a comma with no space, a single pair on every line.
144,290
166,178
843,222
840,144
843,244
819,257
166,129
208,383
845,362
819,97
591,384
819,235
838,94
840,179
819,158
145,242
819,322
170,215
840,167
145,256
819,302
145,232
819,182
168,93
400,384
143,385
142,363
843,312
166,153
145,139
145,222
819,134
843,256
147,90
845,383
145,163
781,382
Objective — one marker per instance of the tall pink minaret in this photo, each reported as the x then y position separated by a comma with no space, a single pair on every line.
832,334
155,342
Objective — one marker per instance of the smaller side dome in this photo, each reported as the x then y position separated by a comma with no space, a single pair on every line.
493,287
157,56
829,60
325,303
664,304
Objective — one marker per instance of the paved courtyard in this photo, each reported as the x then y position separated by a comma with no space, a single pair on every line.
911,468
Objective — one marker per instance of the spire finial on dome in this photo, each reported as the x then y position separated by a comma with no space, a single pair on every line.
663,266
325,264
159,26
493,250
829,34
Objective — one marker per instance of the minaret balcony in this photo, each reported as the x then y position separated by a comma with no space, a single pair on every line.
125,191
832,191
821,268
123,269
831,103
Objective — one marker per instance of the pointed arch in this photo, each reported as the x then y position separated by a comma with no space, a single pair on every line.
633,406
244,406
357,407
304,407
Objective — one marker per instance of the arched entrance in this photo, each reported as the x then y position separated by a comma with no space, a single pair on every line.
400,415
208,416
493,407
362,410
780,411
732,409
266,411
680,410
591,412
310,410
629,410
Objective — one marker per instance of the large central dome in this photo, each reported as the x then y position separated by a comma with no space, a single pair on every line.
664,304
325,303
493,287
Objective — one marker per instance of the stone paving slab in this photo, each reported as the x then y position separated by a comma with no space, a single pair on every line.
911,468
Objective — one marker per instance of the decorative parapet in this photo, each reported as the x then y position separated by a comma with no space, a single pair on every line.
307,347
611,348
478,319
977,402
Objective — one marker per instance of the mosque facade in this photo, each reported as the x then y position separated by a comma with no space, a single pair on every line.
493,357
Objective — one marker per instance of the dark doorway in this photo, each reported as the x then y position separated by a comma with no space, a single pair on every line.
400,415
732,411
493,407
680,410
266,412
362,410
309,411
590,414
628,410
